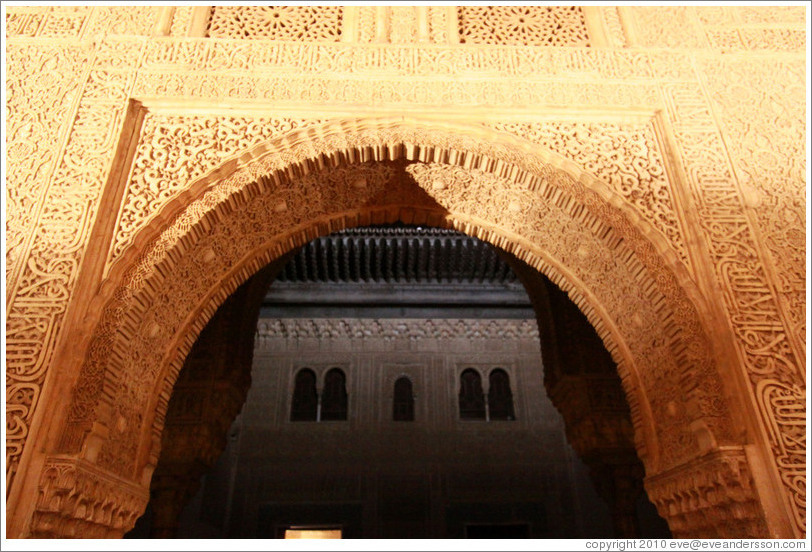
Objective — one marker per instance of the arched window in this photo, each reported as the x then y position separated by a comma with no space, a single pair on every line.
304,407
500,398
472,399
334,396
404,401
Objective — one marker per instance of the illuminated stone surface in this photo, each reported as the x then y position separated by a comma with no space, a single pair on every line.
656,175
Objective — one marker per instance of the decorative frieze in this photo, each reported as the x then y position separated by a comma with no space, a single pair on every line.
51,21
391,329
525,63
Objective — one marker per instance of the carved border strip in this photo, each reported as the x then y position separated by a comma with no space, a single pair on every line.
58,241
196,55
753,311
382,328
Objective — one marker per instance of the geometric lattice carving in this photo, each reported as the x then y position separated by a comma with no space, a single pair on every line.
312,23
523,25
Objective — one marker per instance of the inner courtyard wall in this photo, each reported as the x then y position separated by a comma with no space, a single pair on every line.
403,479
694,115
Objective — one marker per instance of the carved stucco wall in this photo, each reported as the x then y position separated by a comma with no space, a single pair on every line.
116,118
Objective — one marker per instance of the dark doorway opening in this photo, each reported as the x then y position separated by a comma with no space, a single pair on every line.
389,324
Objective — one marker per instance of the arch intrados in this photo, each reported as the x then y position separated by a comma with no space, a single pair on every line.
369,146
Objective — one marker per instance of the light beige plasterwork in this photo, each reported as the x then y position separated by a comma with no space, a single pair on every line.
46,249
305,23
765,129
402,77
81,21
766,340
523,25
747,28
173,151
769,165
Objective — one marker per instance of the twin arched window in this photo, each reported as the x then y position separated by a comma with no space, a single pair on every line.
332,405
334,397
472,399
473,405
306,406
500,397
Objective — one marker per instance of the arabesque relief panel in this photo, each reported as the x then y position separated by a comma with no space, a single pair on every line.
173,151
61,188
738,187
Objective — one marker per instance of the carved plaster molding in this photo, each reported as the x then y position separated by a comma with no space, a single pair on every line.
77,499
711,497
390,329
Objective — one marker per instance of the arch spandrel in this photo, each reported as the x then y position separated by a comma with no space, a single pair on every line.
281,194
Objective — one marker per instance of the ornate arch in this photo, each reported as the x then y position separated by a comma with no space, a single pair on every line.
275,197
